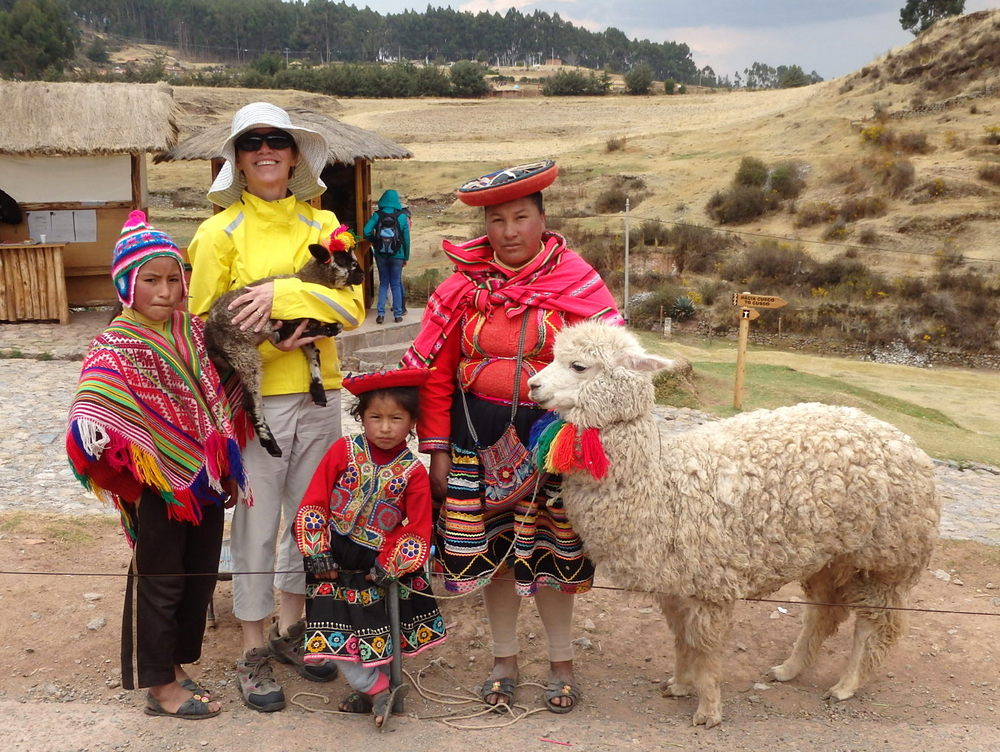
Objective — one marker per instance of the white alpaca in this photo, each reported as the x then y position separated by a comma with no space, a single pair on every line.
827,496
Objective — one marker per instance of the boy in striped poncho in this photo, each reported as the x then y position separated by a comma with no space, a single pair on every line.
152,432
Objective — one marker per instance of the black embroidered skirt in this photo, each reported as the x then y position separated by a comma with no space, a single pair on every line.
348,619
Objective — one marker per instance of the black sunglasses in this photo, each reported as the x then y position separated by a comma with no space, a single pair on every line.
253,141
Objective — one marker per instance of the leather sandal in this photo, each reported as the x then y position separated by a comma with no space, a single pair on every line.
503,686
192,709
192,686
356,702
556,689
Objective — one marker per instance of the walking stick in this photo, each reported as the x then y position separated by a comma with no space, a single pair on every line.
396,667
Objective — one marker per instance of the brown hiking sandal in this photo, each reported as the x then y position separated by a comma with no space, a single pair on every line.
291,648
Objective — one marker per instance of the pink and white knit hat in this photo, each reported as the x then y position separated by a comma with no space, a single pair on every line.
138,244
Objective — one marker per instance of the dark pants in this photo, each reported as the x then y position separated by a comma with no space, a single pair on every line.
163,623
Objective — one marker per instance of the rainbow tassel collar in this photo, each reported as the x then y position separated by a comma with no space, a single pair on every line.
560,447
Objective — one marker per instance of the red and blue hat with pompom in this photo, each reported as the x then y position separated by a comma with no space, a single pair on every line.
137,244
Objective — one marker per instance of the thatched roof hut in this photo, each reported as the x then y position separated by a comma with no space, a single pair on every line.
63,119
73,157
347,143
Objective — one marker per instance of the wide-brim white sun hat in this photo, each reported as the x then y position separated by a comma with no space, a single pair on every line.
305,182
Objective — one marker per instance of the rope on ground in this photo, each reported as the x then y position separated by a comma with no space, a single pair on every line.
454,718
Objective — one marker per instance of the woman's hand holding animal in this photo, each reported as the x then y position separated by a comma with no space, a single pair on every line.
256,305
296,339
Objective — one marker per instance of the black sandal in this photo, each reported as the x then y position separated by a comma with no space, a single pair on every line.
356,702
557,688
503,686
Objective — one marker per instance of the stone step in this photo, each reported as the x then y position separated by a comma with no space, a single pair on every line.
374,358
372,346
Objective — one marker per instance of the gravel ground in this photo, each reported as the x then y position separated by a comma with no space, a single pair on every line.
35,396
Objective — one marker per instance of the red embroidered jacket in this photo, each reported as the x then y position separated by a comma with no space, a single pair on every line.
378,499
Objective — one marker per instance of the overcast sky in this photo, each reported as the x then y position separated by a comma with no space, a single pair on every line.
831,37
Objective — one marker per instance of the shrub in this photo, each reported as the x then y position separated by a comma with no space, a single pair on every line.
669,86
913,143
875,134
696,249
769,262
992,136
854,209
786,181
868,236
989,173
895,174
836,231
639,80
610,200
751,172
575,83
815,213
739,204
910,288
654,232
615,143
468,79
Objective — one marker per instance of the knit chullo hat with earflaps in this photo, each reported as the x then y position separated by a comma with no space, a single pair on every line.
138,243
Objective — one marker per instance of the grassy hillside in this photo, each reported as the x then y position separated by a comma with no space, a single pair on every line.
953,414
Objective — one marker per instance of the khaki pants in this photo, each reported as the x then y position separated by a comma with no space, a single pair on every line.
304,431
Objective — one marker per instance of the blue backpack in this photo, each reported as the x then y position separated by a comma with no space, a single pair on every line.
388,235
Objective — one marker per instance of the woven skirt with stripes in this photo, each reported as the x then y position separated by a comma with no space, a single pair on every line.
530,540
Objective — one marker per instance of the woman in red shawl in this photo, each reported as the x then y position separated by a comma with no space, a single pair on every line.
518,283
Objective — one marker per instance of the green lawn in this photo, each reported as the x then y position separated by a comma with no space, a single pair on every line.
952,413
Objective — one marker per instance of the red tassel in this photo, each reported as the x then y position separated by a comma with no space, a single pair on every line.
563,447
594,458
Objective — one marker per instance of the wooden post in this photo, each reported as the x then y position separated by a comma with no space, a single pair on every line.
741,358
748,303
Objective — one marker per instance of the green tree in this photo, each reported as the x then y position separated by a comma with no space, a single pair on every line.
468,79
919,15
97,52
37,38
791,76
639,80
268,64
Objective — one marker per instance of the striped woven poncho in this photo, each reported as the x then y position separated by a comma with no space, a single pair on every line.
150,411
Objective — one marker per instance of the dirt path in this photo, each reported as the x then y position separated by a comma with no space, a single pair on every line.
61,692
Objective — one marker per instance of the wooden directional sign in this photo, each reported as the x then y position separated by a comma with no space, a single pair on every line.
749,313
748,300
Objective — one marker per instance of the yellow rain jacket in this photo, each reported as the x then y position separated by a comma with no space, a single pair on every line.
254,238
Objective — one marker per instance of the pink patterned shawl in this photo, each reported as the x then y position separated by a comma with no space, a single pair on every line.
556,279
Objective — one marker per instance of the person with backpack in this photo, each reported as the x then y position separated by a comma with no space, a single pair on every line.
388,230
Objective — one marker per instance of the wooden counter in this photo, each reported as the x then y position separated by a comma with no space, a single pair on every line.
33,283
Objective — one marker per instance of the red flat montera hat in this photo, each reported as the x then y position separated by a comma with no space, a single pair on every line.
366,382
508,184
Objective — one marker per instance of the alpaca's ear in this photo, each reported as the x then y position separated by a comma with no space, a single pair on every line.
320,253
644,361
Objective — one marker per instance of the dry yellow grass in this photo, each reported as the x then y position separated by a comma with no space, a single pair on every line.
684,148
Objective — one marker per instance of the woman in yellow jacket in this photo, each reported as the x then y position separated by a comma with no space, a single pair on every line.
272,168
